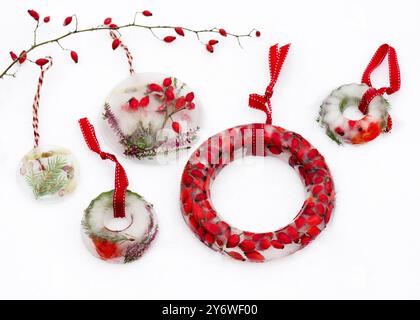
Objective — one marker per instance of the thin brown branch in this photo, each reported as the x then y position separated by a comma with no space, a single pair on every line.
57,40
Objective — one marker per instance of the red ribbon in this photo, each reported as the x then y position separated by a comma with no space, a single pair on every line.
394,76
276,59
121,181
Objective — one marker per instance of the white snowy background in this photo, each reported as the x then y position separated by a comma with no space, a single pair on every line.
371,248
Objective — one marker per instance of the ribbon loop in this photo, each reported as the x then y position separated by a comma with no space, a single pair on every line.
277,56
121,180
394,76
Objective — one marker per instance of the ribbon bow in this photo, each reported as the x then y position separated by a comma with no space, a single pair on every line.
394,77
121,180
276,59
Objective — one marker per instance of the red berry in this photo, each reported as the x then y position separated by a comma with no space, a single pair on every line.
116,43
180,31
255,256
314,220
274,150
212,228
67,21
22,57
13,56
170,95
233,241
223,32
191,106
292,233
305,240
264,244
47,19
197,211
258,33
283,238
189,97
339,131
41,62
277,244
144,102
209,48
212,42
247,245
169,39
167,82
313,231
176,127
74,56
147,13
316,190
34,14
197,173
107,21
236,255
155,87
209,238
180,103
299,222
113,26
134,104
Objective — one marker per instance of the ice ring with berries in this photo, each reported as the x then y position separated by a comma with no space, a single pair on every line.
344,130
256,140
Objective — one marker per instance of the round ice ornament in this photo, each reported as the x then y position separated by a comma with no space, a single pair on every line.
369,100
257,139
47,172
152,114
118,226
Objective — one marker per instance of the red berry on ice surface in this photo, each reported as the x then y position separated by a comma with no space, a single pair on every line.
167,82
155,87
67,21
116,43
13,56
107,21
209,48
34,14
74,56
176,127
180,31
189,97
134,104
144,102
223,32
169,39
47,19
41,62
147,13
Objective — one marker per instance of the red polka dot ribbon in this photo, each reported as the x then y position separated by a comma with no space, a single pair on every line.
394,76
276,59
121,180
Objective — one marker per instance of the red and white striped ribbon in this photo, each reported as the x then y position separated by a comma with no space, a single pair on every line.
127,52
35,106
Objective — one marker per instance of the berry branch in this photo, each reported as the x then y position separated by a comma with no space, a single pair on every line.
110,26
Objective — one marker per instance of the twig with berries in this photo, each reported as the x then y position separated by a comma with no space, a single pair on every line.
109,25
